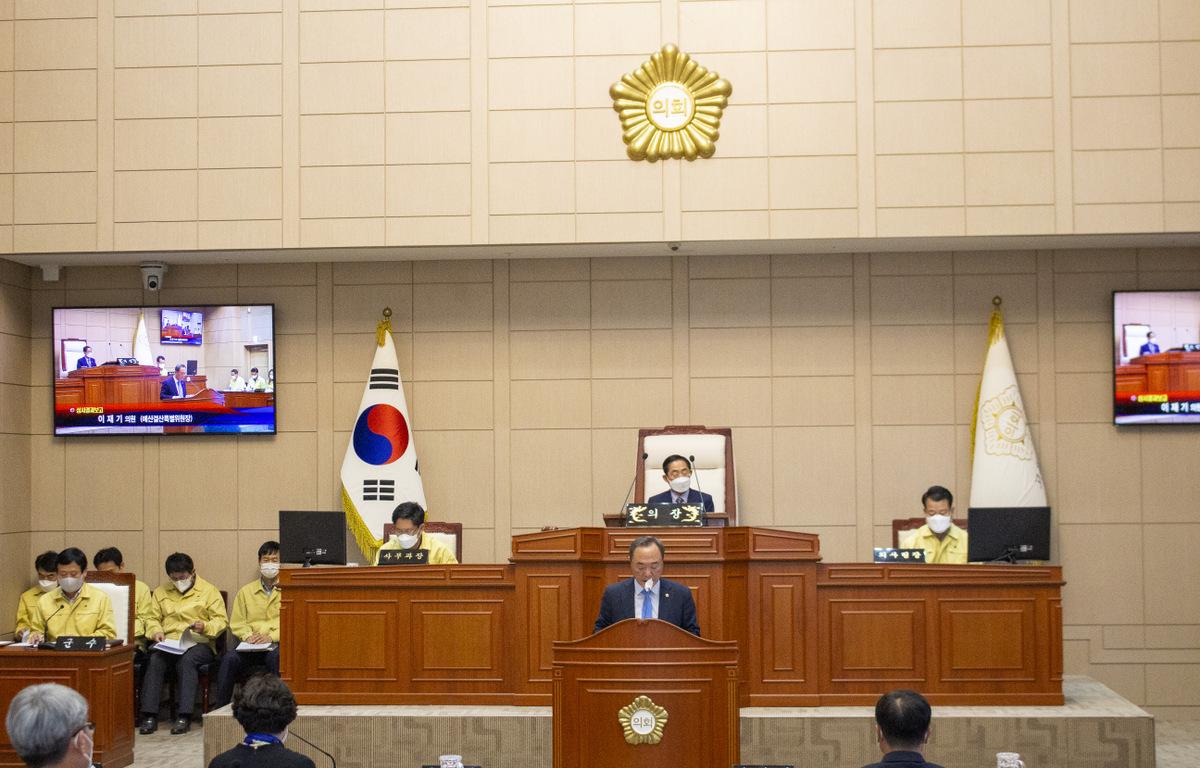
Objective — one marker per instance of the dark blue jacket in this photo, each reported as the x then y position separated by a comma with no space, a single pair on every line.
675,605
85,362
901,759
694,497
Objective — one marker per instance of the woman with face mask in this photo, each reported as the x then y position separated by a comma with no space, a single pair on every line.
74,609
255,621
47,571
409,519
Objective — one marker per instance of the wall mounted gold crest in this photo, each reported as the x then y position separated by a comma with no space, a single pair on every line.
670,107
642,721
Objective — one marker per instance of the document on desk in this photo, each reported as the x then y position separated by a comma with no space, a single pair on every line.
176,647
244,646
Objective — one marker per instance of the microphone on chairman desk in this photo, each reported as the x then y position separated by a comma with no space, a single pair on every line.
46,623
696,474
631,484
332,762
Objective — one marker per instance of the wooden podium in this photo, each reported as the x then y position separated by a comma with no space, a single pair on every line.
116,385
692,679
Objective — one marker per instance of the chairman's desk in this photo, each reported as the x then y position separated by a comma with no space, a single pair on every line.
809,633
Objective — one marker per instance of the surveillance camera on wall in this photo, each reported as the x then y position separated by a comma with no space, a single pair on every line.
152,275
673,246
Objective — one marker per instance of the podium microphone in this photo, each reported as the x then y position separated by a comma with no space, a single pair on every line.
314,746
696,474
631,484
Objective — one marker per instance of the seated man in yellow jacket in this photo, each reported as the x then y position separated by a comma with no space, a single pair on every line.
942,540
75,608
187,603
409,519
255,619
47,571
111,560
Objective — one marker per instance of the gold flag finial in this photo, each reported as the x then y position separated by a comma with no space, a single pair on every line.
996,301
384,326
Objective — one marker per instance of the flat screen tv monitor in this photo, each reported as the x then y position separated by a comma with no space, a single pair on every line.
1008,534
115,371
1156,357
312,538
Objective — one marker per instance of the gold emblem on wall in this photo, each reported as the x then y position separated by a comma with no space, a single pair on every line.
670,107
642,721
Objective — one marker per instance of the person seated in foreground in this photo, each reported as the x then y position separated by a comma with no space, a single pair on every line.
48,727
647,595
75,609
409,519
902,730
110,560
255,619
677,472
265,707
47,571
942,540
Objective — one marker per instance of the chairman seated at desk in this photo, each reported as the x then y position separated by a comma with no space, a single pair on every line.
409,519
942,540
677,472
175,386
74,609
646,595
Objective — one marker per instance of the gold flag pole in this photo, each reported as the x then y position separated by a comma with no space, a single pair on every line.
384,326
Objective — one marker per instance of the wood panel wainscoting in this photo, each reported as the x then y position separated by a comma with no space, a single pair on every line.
808,633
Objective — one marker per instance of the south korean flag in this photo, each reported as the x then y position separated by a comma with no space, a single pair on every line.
380,468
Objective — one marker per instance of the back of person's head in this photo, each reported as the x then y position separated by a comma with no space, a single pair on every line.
264,704
42,720
46,562
179,562
109,555
903,718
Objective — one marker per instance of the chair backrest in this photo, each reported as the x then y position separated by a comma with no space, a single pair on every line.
121,593
913,523
713,468
449,534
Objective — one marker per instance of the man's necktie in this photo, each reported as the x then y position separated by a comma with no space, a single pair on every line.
647,604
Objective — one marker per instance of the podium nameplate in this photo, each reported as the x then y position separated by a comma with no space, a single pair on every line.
80,643
899,555
404,557
662,515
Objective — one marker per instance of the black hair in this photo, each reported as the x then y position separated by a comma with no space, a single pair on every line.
180,367
409,510
645,541
253,370
268,548
674,457
937,493
178,562
72,555
160,357
47,561
109,555
87,349
264,704
903,717
233,370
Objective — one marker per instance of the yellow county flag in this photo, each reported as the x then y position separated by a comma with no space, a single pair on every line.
141,342
380,468
1004,468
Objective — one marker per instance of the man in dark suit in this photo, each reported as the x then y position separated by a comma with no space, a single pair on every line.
677,471
902,729
175,386
87,361
647,595
1151,346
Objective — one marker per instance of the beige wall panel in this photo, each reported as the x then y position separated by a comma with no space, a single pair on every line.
1137,217
428,33
973,298
281,478
813,182
155,236
549,467
618,186
795,24
341,36
528,31
55,95
1012,220
1011,178
101,472
6,143
725,185
452,356
435,137
614,452
1007,72
342,87
1089,552
16,506
813,401
155,93
753,458
1181,121
1179,19
1132,176
631,402
415,86
550,355
240,142
730,352
1083,347
802,76
431,230
549,270
16,574
1111,260
618,28
1083,398
1169,477
812,351
509,79
812,129
15,412
531,399
446,458
7,44
911,300
241,90
1097,472
912,263
205,494
1171,684
814,472
1087,297
155,41
593,76
740,402
597,135
214,553
918,74
141,145
295,306
1094,21
906,460
1170,576
1123,69
912,127
746,71
619,354
744,131
16,352
453,271
155,195
56,44
942,177
900,349
372,272
452,405
814,223
1133,122
726,265
299,353
241,39
242,193
549,306
535,135
341,139
613,227
725,225
239,234
1005,22
916,23
47,483
722,25
631,304
449,307
141,7
815,301
1181,172
1008,124
1179,71
341,191
47,198
429,190
1167,259
479,546
730,303
531,188
533,228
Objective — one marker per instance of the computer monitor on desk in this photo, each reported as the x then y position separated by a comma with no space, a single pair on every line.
312,538
1008,534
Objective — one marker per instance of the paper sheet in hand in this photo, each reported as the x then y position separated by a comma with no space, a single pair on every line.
177,647
244,646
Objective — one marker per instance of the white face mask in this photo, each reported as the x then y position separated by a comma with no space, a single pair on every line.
47,584
183,585
269,570
407,540
70,584
938,523
681,484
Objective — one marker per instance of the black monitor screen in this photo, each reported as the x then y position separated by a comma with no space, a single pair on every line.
1008,533
312,537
